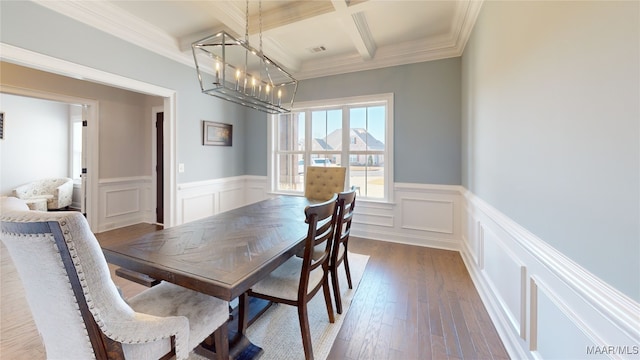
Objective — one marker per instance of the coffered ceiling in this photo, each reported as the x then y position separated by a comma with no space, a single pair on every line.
309,38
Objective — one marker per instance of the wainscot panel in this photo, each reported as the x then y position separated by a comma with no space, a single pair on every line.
543,304
424,215
205,198
197,207
124,201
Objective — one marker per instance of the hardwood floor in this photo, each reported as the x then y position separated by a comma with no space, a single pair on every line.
412,303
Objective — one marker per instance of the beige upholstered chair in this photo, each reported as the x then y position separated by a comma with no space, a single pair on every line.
346,204
296,281
58,192
77,308
321,183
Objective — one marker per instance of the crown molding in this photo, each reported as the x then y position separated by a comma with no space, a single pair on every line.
111,19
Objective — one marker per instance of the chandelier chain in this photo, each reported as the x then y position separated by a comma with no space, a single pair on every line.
260,22
246,24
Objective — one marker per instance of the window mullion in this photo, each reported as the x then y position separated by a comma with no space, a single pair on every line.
308,137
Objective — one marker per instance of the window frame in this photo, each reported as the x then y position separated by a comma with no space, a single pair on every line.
345,104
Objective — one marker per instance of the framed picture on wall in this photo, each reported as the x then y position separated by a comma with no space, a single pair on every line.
1,125
214,133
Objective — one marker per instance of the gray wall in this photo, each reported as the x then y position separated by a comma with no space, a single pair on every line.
36,141
551,109
427,127
124,118
52,34
256,151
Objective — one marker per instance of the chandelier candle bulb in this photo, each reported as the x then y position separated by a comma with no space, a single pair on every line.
217,73
237,80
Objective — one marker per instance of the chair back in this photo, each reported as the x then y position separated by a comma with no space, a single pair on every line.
67,282
321,220
346,203
321,183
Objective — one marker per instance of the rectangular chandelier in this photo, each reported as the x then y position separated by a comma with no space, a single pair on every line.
232,70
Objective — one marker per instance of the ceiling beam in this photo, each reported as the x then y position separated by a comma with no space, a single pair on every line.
357,28
366,39
288,13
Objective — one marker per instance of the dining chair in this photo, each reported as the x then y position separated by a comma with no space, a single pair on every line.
77,308
346,203
297,280
321,183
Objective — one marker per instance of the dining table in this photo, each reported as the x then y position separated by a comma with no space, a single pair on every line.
222,255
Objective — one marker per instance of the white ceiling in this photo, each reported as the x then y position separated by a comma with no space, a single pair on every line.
356,34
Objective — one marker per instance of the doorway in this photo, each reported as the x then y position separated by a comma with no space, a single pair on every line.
75,158
159,163
62,67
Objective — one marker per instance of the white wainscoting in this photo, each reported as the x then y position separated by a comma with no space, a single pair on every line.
200,199
424,215
125,201
543,304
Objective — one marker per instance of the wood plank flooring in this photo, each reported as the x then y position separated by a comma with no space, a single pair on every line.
412,303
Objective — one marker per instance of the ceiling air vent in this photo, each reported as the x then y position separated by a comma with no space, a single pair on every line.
317,49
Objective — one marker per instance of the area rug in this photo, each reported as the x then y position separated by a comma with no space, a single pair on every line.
277,331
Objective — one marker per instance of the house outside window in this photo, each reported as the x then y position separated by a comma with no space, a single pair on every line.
353,132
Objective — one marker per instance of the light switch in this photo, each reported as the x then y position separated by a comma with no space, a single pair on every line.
181,167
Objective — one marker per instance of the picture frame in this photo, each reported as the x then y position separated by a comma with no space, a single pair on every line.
2,125
216,134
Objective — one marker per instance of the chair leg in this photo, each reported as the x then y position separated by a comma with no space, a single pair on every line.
306,332
327,298
346,269
336,289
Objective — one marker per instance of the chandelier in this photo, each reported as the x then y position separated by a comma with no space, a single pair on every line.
237,72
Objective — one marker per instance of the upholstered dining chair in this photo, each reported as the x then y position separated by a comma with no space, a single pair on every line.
299,279
321,183
78,309
346,203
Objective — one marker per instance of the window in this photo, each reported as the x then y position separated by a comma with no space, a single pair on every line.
76,142
353,132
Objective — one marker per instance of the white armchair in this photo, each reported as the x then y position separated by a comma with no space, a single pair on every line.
77,308
58,192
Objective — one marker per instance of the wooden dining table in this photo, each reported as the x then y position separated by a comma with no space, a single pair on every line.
221,255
